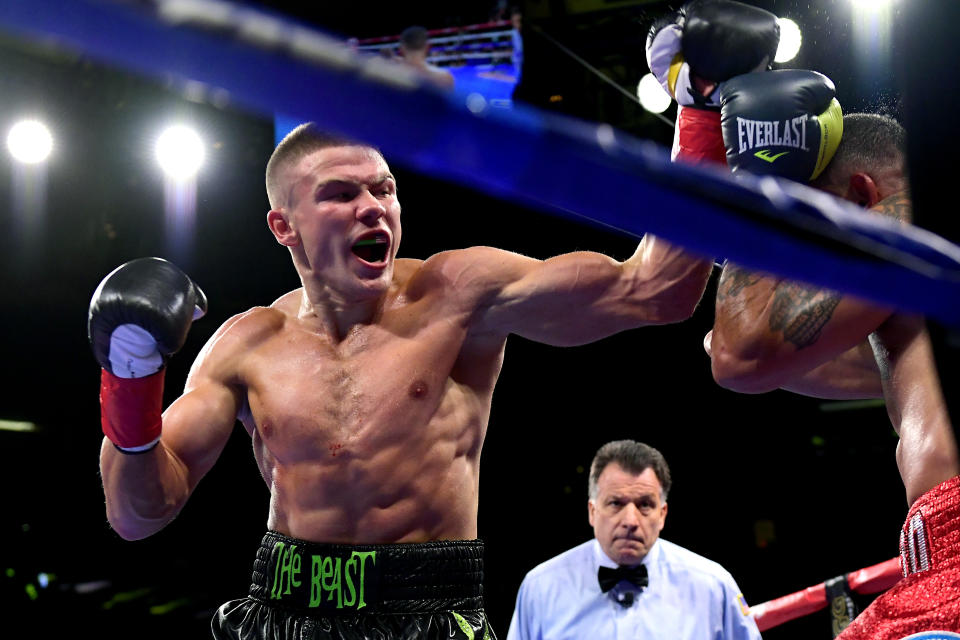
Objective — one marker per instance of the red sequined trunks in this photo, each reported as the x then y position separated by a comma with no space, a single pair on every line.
927,599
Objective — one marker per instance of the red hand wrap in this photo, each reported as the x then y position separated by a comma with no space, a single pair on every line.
698,137
130,409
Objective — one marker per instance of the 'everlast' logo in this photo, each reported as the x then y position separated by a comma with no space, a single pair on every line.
772,133
339,578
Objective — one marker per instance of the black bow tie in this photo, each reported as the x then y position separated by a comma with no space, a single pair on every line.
637,576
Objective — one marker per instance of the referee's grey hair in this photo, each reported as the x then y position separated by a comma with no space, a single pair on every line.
633,457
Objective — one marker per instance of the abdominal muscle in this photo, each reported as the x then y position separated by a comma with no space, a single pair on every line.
387,497
380,446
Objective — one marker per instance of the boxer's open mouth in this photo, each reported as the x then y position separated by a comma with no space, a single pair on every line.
372,248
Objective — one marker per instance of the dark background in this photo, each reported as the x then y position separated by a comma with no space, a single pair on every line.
784,491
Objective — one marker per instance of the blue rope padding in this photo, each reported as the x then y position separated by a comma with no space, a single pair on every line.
570,167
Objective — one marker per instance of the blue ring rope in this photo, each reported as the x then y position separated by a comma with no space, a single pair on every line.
569,167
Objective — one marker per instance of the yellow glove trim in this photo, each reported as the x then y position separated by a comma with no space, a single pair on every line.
673,72
831,130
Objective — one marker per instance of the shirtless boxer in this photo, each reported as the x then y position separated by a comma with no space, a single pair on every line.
773,333
366,393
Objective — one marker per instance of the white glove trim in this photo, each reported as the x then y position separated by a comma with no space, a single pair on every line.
662,54
133,352
143,447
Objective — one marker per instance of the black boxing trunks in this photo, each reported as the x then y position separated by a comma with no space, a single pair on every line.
313,591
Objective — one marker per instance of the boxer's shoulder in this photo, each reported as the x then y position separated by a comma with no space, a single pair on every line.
442,273
221,358
244,331
472,267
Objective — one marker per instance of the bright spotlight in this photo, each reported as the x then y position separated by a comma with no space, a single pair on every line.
180,152
651,94
872,5
790,40
29,141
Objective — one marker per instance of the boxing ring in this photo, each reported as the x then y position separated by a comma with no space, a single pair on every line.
268,64
479,56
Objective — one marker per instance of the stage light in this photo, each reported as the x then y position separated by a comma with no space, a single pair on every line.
871,38
180,152
790,40
29,141
651,94
874,6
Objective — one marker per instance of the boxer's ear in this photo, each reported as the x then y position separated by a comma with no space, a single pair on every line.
281,228
862,190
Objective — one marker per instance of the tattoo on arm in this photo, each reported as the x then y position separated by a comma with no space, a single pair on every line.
798,311
801,312
734,280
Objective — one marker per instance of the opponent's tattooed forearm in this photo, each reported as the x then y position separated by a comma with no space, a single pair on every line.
896,206
801,312
734,280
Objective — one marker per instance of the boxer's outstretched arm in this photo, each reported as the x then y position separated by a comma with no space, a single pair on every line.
144,492
580,297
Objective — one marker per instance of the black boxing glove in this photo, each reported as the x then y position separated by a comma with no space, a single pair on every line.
708,42
786,123
139,316
724,37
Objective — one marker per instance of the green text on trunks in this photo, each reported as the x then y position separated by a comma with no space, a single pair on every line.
337,577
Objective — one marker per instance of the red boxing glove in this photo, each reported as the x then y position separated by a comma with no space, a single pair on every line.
130,410
698,138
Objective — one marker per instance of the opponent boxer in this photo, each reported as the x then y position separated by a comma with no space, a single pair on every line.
773,333
366,393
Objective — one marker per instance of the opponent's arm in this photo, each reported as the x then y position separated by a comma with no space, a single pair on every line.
580,297
139,316
769,331
853,375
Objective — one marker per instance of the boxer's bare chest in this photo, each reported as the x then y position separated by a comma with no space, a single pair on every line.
312,398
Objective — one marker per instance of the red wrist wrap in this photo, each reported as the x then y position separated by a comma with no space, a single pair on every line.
130,408
698,137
